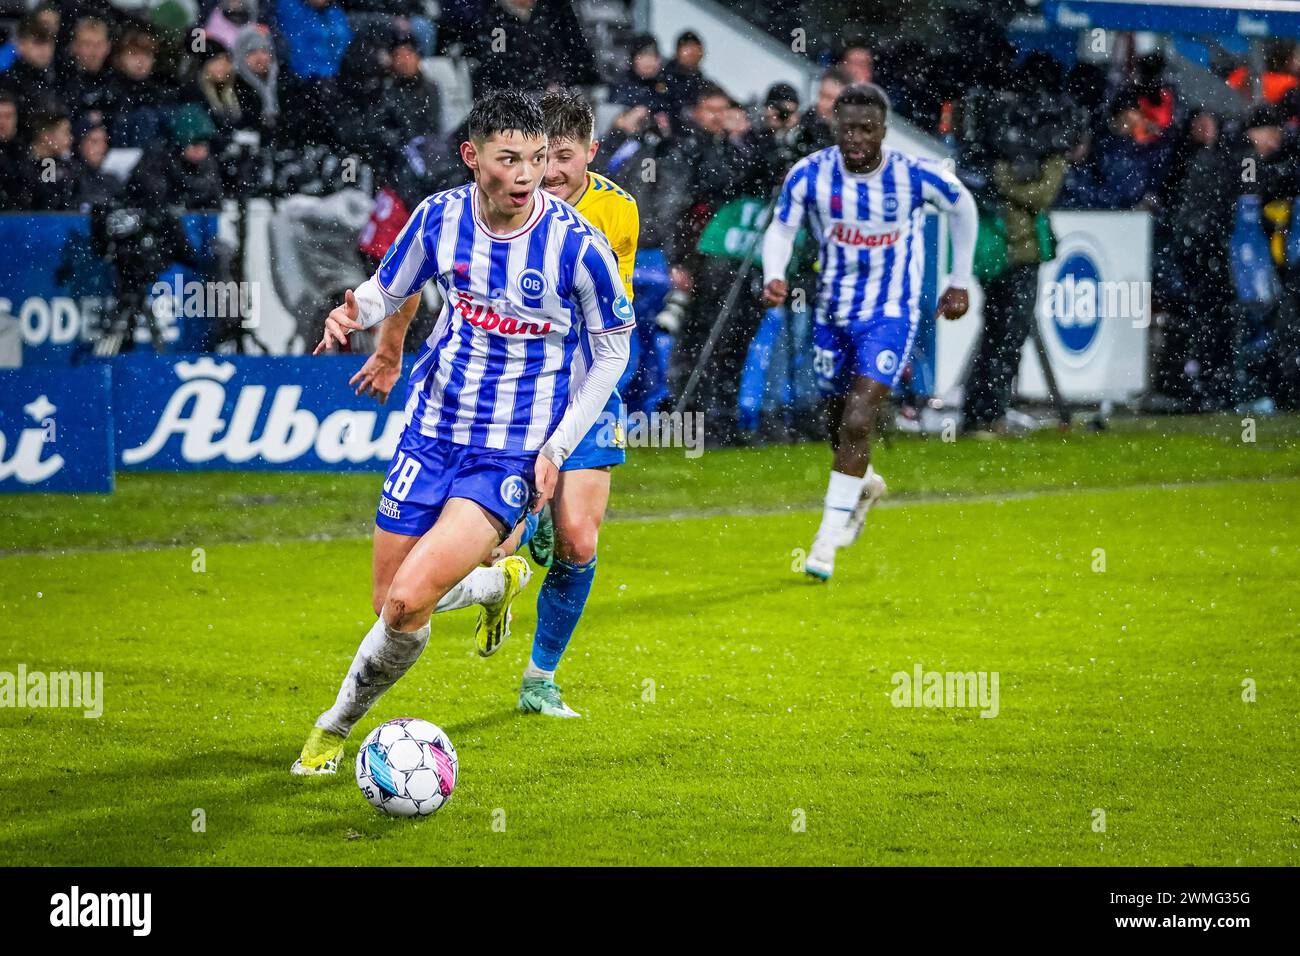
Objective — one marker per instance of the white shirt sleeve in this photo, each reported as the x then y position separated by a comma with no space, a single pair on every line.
778,246
963,226
942,189
787,217
374,304
609,355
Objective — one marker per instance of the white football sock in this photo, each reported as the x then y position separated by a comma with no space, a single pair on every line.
841,498
384,656
534,672
480,586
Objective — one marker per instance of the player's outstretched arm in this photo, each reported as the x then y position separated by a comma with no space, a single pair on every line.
340,323
402,273
383,367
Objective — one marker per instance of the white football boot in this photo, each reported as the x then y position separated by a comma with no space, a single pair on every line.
820,563
873,489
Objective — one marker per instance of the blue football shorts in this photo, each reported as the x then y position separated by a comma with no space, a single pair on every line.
426,472
876,347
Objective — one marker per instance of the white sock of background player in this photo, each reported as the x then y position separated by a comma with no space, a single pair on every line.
842,494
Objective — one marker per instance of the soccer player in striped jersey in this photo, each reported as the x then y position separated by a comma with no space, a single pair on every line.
533,336
582,493
863,204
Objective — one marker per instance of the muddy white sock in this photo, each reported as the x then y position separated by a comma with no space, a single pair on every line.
480,586
384,656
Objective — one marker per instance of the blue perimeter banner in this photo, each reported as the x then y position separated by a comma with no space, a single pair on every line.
56,431
1247,18
257,413
58,294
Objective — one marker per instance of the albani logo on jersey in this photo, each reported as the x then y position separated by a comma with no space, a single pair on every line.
489,320
847,235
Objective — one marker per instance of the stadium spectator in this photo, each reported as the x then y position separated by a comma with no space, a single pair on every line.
703,253
140,100
776,140
1025,190
411,100
530,45
397,18
684,72
1087,86
42,182
1118,170
316,35
387,100
31,76
226,20
84,75
857,61
1157,100
909,71
1266,168
358,114
214,90
645,83
639,154
49,15
1280,76
257,81
92,185
71,11
11,150
182,171
815,123
1193,260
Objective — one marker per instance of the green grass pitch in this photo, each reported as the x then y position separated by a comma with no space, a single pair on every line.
1130,588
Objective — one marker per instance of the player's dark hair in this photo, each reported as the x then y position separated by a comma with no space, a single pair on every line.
503,110
863,94
687,36
568,116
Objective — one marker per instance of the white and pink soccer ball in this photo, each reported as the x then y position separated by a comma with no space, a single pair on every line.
407,767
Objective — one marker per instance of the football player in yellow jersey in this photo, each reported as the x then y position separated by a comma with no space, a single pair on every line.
578,506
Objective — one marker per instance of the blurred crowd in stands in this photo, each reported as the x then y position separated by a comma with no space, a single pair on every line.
274,97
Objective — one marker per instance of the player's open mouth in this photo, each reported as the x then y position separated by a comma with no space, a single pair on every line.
521,198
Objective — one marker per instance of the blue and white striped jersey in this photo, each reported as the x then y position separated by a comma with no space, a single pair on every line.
511,342
868,229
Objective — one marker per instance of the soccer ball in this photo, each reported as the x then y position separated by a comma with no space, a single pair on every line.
407,767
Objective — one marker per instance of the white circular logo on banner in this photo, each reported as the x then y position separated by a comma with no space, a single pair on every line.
886,362
1077,295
